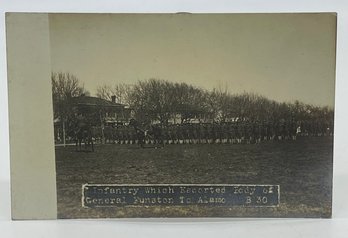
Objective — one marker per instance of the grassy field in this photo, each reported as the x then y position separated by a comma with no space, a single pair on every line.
302,168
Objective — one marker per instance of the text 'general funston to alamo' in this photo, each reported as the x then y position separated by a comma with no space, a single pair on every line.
111,195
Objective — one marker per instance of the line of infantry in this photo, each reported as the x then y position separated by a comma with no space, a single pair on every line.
214,133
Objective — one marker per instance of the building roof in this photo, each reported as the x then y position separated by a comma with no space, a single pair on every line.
94,101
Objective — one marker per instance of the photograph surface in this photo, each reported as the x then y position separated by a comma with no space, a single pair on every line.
193,115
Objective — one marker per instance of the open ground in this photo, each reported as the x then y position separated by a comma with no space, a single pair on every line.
302,168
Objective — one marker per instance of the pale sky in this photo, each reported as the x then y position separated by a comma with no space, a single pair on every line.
284,57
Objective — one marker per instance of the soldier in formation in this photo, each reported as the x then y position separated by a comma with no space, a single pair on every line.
239,132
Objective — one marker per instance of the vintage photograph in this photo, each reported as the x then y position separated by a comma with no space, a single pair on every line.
192,107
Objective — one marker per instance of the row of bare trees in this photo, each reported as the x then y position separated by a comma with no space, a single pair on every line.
161,100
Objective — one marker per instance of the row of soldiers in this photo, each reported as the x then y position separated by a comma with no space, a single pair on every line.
210,133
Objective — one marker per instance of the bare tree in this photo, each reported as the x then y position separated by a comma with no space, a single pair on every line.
121,91
152,99
64,87
105,92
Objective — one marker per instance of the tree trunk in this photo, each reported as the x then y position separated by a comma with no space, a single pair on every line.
64,133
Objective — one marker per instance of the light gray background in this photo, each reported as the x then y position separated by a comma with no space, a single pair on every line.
337,227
